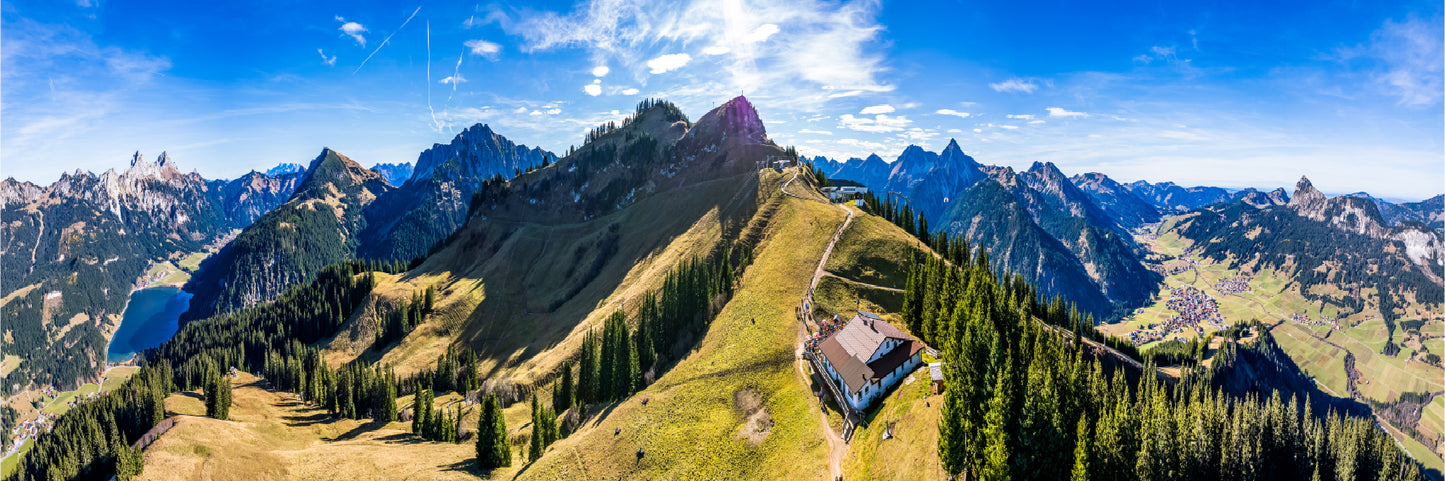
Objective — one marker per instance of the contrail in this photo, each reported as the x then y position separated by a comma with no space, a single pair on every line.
435,125
388,40
456,75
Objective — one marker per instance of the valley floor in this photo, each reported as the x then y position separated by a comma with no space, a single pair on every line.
1311,333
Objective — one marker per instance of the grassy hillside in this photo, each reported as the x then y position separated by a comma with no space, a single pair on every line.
270,436
522,294
694,425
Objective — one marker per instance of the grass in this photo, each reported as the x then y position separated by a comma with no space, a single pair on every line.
517,291
114,378
9,464
874,251
193,261
18,293
9,363
909,453
838,296
690,428
270,436
1322,361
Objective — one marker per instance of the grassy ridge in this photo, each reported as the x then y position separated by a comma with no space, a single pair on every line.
692,426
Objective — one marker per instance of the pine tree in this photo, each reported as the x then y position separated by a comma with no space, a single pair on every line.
493,448
535,447
998,446
1081,452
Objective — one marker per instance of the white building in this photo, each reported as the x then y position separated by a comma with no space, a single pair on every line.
840,194
867,357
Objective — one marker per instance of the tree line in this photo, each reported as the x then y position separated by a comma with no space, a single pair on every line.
1024,401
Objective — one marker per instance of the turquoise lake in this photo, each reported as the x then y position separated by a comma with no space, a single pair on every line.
150,319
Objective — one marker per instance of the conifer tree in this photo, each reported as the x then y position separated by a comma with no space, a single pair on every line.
535,447
1081,452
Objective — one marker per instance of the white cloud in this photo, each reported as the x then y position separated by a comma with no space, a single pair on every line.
592,89
955,131
483,48
520,110
818,132
353,29
1411,60
850,93
875,146
600,71
877,109
1021,116
955,113
630,91
1016,85
877,124
453,80
1036,122
1009,127
554,111
784,53
1062,113
761,33
667,63
328,61
536,113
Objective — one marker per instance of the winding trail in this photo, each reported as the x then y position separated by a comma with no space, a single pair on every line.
861,283
837,447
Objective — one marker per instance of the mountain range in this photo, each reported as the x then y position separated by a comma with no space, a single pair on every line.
344,211
1036,223
74,250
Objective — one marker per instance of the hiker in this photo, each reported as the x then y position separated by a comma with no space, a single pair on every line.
619,431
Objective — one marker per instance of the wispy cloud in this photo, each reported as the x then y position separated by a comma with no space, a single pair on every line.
630,91
668,63
788,53
328,61
1015,85
817,132
877,109
353,30
1410,60
1059,112
955,113
453,80
483,48
877,124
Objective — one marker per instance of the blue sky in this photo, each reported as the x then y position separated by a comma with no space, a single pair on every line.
1221,93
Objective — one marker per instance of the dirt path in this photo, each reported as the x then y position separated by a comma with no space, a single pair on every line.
837,448
861,283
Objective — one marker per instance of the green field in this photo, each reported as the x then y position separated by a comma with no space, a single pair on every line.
874,251
1273,298
9,363
914,414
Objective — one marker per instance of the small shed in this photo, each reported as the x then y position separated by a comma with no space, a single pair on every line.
935,373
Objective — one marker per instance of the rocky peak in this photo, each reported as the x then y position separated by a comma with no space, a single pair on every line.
1308,201
736,121
481,153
